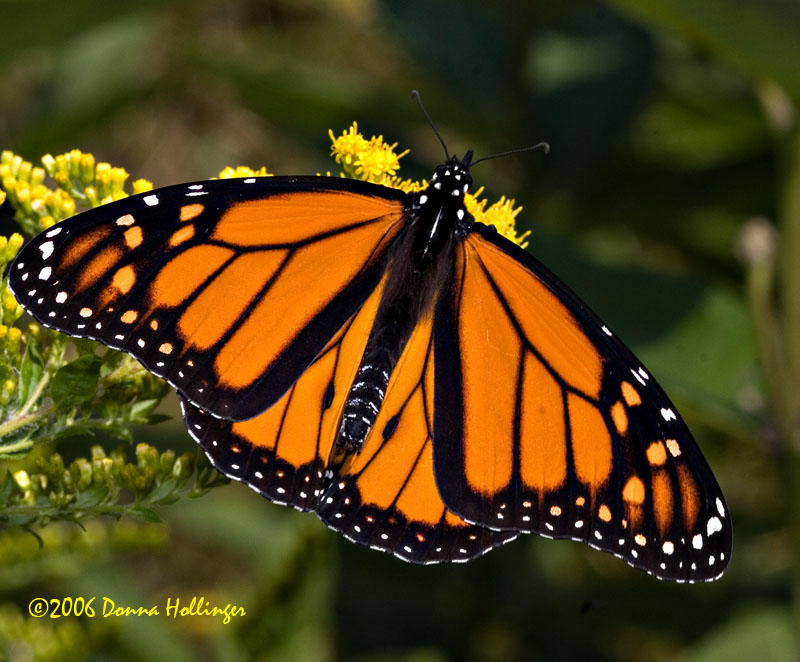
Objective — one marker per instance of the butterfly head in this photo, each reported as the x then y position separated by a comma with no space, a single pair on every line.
452,178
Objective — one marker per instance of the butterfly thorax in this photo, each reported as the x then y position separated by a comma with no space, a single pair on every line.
439,209
437,220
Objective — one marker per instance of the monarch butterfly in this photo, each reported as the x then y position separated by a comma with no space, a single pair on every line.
424,385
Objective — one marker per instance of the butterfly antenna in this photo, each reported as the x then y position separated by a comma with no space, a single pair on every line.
418,99
542,145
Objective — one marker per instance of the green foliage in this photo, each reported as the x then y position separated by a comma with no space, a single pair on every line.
103,485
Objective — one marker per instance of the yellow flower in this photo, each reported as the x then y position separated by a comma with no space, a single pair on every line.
346,148
243,171
142,185
502,214
370,160
405,185
376,161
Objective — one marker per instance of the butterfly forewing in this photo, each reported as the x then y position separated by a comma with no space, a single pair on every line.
229,289
555,428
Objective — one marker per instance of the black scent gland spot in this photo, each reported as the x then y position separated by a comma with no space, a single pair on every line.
327,399
391,426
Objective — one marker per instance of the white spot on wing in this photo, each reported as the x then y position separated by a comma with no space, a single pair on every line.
668,414
150,200
44,274
47,249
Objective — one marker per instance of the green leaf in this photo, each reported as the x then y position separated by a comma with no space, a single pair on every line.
140,410
91,497
163,491
75,430
31,370
76,382
7,489
145,514
22,519
21,447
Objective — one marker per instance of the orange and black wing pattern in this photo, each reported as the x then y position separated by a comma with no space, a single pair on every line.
282,453
225,288
545,423
386,496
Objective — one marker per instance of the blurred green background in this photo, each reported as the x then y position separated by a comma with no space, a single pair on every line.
670,202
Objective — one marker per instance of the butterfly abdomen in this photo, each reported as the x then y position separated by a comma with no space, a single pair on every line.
397,316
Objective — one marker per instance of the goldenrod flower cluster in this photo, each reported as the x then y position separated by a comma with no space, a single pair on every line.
10,312
243,171
79,179
89,182
374,160
501,213
36,205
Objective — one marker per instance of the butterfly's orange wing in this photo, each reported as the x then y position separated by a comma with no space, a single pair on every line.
544,422
282,452
229,289
386,495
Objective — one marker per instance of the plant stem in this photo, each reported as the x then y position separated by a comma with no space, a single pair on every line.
789,287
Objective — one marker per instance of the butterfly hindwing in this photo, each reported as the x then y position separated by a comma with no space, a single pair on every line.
386,496
226,288
546,423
